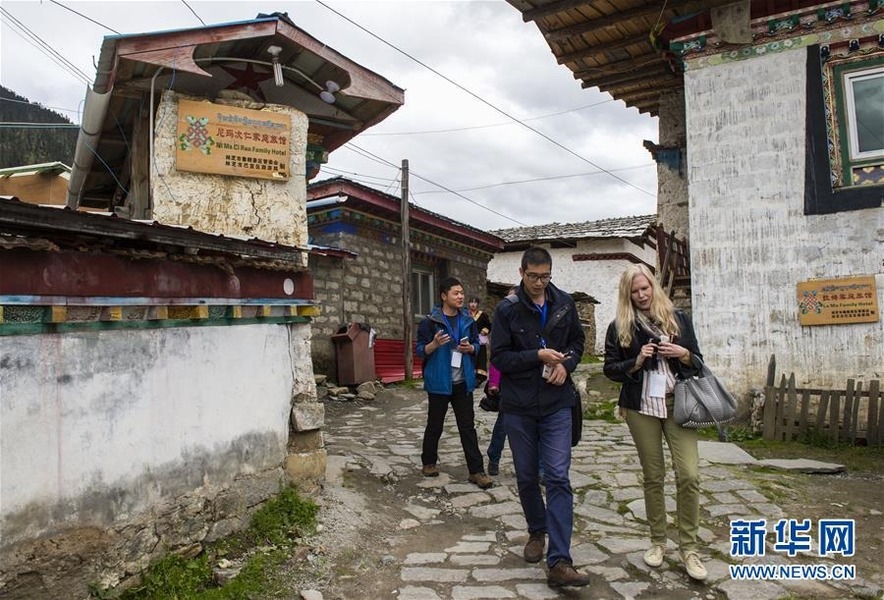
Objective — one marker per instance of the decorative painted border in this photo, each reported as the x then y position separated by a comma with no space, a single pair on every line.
29,319
832,32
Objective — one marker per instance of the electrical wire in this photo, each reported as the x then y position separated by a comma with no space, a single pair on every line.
35,104
355,174
11,125
537,179
439,185
486,102
85,17
474,127
194,12
23,31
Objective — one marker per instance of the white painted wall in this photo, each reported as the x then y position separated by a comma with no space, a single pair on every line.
598,278
751,242
96,427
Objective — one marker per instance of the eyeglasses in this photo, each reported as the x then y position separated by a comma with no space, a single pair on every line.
535,277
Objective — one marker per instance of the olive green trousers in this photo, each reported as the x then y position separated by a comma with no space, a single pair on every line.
648,433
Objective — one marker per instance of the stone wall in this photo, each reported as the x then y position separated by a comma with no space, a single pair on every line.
368,288
120,446
751,241
672,184
262,208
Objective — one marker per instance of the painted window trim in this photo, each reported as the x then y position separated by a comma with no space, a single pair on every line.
820,197
874,70
842,98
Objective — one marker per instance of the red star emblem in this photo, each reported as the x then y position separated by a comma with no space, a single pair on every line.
247,78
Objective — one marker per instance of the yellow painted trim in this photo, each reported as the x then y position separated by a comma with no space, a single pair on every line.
57,314
308,311
265,310
200,311
112,313
158,313
1,313
234,312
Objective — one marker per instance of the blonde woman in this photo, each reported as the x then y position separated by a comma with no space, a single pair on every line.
647,346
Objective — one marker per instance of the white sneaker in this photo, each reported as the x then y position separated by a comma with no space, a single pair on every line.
654,556
694,566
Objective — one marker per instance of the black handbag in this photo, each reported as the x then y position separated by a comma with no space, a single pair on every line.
703,401
576,419
490,403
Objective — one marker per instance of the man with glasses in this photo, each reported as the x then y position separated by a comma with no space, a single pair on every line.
536,342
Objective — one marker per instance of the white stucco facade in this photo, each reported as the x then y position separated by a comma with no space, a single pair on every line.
99,427
598,278
751,242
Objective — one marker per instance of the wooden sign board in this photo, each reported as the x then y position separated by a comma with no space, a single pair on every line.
838,301
227,140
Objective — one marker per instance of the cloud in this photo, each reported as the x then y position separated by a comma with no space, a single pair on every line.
484,47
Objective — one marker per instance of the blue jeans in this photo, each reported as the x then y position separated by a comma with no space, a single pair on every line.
550,436
498,437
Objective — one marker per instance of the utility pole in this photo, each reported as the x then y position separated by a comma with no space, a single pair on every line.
407,310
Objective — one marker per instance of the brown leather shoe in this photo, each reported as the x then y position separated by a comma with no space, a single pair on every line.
430,471
563,573
534,548
482,480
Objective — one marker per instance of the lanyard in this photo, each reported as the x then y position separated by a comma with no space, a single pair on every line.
542,311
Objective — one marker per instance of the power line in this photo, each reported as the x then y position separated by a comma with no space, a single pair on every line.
431,182
194,12
85,17
454,130
12,125
38,105
483,101
43,46
355,174
536,179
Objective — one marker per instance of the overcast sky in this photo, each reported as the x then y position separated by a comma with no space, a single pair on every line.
449,137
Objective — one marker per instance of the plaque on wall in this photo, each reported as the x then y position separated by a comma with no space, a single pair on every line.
838,301
228,140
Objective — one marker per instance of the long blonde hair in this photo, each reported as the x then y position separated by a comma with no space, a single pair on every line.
662,311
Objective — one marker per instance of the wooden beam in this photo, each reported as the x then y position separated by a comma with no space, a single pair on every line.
637,84
601,48
533,14
631,96
650,10
653,71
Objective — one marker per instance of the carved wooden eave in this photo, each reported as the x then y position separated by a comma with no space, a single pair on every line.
198,62
623,46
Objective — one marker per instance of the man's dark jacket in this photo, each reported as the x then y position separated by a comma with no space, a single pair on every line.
619,360
515,340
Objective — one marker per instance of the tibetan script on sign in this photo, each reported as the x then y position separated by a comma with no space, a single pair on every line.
227,140
838,301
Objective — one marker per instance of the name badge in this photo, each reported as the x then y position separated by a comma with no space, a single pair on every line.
657,385
456,358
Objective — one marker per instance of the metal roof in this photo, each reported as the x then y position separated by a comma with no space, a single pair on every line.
66,226
50,168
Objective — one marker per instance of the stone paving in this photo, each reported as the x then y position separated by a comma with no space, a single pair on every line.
610,529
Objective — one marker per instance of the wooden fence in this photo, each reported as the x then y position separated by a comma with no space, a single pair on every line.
853,415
